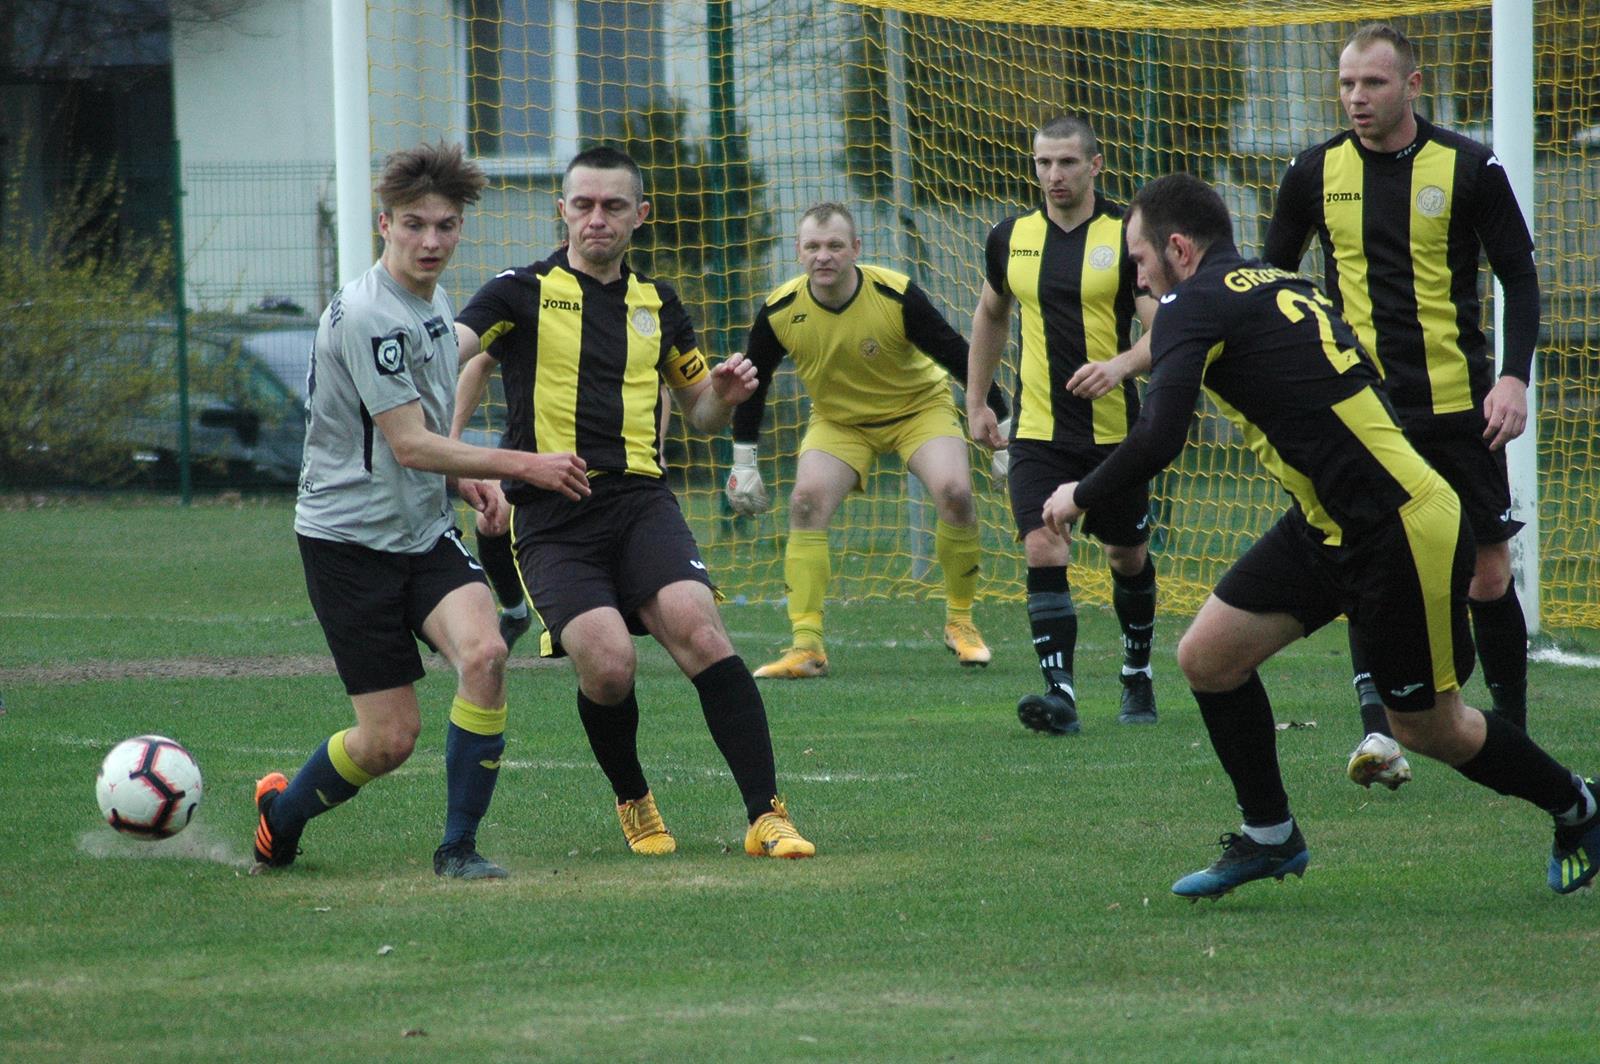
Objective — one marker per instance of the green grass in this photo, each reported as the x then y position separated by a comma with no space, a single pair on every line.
981,893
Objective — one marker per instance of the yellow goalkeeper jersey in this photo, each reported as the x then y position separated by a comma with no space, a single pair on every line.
880,357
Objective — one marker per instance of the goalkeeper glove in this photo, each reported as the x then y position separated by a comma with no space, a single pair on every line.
1000,461
746,494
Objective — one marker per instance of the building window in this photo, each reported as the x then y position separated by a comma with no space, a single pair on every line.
539,76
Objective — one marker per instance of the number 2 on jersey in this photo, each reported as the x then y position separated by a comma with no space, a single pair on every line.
1295,307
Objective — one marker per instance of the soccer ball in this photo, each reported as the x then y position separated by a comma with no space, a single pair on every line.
149,787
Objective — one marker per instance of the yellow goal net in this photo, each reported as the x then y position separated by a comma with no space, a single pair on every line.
919,114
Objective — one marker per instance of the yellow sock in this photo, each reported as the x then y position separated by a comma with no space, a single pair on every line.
351,772
959,555
807,568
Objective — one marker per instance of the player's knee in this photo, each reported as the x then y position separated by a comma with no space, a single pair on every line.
955,504
608,683
484,659
392,746
1205,668
804,508
1129,561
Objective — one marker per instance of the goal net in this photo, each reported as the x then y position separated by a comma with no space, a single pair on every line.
919,115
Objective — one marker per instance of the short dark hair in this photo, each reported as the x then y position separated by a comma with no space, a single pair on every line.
437,169
1377,32
605,157
1062,127
1182,203
821,212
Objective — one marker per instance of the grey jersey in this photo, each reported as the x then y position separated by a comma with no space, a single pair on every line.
378,347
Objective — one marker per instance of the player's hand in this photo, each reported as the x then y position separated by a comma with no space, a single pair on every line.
985,427
746,493
494,513
1060,512
1000,461
1505,412
563,472
734,380
1094,379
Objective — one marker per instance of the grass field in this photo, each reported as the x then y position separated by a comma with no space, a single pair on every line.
981,893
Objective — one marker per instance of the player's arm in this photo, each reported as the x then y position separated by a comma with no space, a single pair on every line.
1094,379
470,385
926,328
1509,247
1289,230
1156,438
415,446
990,321
745,490
708,403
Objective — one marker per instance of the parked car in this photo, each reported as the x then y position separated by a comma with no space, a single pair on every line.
246,426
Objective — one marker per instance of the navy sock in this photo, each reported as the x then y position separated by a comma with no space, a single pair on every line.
1246,741
1054,621
614,737
737,719
474,740
315,789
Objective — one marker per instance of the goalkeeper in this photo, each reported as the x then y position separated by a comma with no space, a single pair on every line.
868,346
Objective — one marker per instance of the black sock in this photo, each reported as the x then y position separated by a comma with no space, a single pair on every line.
1246,742
1054,621
613,736
1501,633
737,719
1510,763
1134,599
501,567
1373,716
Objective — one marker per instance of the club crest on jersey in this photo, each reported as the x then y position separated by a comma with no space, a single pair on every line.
869,348
1103,257
644,322
1430,201
389,353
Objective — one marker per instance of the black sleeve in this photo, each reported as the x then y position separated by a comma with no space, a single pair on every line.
492,311
762,348
927,329
996,252
1160,432
1289,231
1500,226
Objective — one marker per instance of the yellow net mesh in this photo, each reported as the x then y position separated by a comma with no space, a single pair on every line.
919,115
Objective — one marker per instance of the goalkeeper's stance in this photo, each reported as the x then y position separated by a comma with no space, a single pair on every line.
869,347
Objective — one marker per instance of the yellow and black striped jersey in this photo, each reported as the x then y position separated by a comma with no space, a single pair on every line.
1076,290
1400,235
582,362
878,358
1278,360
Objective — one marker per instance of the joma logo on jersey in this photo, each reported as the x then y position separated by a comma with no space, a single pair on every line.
1342,197
560,304
1026,253
798,318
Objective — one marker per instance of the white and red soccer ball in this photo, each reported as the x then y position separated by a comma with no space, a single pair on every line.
149,787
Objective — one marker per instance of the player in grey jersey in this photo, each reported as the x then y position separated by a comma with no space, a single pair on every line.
383,561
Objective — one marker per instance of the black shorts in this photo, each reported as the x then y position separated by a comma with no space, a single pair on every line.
1038,468
626,542
372,603
1403,586
1453,444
